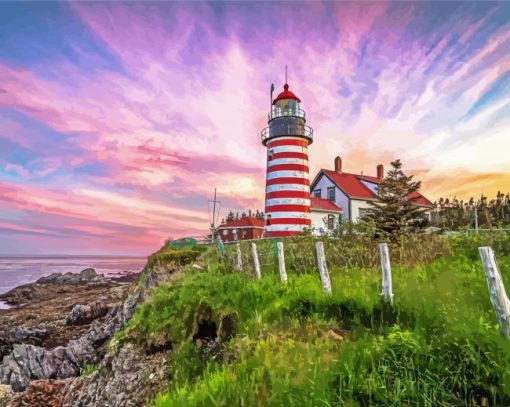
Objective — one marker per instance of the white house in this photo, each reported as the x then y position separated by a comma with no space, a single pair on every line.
325,215
352,192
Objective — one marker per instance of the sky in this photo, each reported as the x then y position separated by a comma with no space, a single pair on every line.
118,120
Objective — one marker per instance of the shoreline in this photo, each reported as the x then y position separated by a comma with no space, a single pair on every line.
18,271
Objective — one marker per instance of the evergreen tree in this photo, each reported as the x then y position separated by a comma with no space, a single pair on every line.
395,214
230,217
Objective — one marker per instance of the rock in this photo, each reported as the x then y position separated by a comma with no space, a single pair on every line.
127,378
32,336
29,362
126,277
48,393
87,275
21,335
83,314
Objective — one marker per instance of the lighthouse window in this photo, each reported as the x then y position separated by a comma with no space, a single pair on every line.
270,154
268,220
287,106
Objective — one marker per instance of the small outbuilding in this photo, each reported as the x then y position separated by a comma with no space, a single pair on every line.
246,228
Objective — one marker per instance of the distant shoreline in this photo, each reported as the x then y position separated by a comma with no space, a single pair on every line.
18,270
72,256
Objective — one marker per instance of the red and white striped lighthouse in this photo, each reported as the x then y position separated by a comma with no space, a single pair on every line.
287,178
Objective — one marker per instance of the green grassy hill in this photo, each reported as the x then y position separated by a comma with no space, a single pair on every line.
238,341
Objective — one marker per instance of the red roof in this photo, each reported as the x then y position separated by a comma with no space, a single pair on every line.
351,184
323,205
248,221
419,199
286,94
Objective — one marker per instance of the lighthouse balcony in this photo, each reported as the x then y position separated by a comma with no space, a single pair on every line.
289,130
292,112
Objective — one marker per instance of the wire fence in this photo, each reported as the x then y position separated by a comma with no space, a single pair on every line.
353,252
310,254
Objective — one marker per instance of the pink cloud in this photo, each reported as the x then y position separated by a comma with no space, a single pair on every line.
184,115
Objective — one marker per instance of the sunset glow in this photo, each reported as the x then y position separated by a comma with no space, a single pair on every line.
118,120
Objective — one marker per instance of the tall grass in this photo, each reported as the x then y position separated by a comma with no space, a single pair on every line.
437,345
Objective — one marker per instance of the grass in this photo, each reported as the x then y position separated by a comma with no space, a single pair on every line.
437,345
89,369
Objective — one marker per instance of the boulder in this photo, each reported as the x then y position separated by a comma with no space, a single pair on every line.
32,336
84,314
87,275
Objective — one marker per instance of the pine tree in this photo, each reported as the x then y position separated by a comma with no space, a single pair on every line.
395,214
230,216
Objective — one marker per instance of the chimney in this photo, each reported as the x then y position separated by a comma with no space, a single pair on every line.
380,171
338,164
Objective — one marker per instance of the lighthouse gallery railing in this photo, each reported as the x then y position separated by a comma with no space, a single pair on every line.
287,130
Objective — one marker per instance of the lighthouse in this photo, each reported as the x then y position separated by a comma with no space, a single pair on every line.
287,137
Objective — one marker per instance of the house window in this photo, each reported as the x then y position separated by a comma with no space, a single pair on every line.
331,222
331,194
317,193
268,220
224,232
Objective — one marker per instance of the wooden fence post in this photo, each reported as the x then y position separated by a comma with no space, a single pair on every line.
239,264
387,289
499,299
281,262
323,268
256,260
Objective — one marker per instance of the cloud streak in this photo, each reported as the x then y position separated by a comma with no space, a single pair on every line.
158,105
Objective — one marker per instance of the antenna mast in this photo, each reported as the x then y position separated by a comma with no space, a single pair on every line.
286,74
271,96
214,216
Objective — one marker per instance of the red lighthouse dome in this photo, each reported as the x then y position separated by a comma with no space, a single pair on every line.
286,94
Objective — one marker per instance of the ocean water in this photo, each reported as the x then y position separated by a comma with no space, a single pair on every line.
15,271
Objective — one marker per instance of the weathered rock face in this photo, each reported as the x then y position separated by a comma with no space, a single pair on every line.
128,378
29,362
35,340
33,336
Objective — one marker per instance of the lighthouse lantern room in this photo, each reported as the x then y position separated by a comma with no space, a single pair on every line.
287,138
